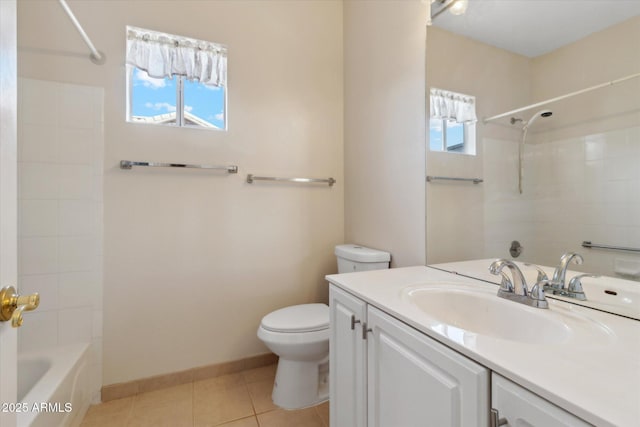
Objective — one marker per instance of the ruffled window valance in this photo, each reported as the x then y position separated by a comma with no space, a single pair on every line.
163,55
452,106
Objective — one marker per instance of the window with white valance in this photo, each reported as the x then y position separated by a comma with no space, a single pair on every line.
175,80
452,121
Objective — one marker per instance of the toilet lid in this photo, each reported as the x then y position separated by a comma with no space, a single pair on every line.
298,318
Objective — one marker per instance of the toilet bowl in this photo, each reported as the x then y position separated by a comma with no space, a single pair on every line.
299,335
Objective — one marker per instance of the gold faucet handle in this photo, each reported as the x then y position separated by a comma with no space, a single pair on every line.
30,302
13,305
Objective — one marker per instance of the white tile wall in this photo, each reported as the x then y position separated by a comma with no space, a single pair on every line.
60,128
578,189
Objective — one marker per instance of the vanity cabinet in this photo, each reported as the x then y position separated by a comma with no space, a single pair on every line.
385,373
347,360
517,407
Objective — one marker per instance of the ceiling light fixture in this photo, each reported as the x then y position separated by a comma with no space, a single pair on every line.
456,7
459,7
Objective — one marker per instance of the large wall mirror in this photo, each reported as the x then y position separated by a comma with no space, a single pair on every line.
579,167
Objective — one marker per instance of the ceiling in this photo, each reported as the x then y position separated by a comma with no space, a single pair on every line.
535,27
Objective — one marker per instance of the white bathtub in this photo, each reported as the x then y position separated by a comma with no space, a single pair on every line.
54,386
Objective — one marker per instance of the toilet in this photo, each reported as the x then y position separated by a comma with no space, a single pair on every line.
299,335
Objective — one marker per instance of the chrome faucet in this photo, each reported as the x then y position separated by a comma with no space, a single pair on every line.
516,290
557,283
518,285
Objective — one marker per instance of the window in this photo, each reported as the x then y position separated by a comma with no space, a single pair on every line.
452,122
175,81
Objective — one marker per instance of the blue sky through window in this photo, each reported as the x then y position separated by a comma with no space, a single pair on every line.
152,97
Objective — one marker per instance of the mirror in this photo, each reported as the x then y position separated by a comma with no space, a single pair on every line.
580,165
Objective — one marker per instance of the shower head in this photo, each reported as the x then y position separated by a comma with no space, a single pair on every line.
541,113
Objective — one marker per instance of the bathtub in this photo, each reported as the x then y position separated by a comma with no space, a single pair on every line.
54,386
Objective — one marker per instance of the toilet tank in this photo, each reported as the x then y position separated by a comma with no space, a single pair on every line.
358,258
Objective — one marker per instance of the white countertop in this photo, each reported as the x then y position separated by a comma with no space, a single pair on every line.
598,381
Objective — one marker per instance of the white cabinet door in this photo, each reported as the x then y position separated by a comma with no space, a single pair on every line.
416,381
348,360
521,408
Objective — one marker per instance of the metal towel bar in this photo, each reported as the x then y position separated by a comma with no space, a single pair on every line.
251,178
128,164
446,178
588,244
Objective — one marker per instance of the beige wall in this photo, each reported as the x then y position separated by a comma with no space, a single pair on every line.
384,47
500,81
603,56
192,259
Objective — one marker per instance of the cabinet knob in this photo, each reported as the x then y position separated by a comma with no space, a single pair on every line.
353,321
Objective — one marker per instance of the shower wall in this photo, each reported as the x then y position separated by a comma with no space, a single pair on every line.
60,155
576,189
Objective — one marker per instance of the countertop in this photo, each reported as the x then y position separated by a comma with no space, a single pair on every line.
598,381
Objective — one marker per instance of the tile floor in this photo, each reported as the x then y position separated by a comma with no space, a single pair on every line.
236,400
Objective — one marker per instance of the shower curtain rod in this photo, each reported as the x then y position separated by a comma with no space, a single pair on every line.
558,98
96,56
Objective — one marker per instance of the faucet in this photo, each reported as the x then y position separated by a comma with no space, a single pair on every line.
516,290
518,285
558,281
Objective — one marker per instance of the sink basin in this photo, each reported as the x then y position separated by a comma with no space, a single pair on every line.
611,294
480,311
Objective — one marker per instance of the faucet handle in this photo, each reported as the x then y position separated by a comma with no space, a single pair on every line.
542,275
537,294
575,286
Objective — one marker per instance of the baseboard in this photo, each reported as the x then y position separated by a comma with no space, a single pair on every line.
143,385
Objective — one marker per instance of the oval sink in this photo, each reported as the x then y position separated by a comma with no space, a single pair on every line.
482,312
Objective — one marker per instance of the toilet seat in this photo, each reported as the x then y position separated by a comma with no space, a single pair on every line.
297,318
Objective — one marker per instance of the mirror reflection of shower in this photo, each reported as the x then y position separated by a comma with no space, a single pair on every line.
525,128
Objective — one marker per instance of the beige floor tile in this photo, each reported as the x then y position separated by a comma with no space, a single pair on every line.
162,415
245,422
112,413
323,413
281,418
221,401
106,421
218,383
261,396
169,407
176,394
260,374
